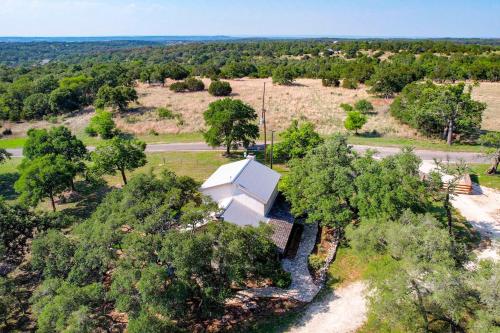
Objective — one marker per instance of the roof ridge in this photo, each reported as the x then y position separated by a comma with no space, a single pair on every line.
241,170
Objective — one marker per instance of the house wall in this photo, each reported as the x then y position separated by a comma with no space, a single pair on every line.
219,192
270,203
250,202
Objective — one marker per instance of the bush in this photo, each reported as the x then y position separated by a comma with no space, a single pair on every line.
165,113
349,84
178,86
316,262
193,84
7,131
101,124
363,106
283,76
219,88
347,107
355,121
282,279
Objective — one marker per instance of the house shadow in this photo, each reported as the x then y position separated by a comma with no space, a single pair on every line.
7,181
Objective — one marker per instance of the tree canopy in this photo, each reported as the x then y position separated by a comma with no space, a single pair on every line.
296,141
444,111
230,122
118,154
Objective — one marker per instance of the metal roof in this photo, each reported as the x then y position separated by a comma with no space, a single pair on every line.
252,177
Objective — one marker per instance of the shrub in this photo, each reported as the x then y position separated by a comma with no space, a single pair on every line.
178,86
153,132
316,262
282,279
193,84
101,124
363,106
7,131
347,107
283,76
355,121
349,84
219,88
165,113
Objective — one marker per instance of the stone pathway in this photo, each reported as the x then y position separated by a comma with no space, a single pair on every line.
302,288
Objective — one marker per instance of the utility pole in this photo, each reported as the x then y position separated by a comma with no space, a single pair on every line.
263,119
272,148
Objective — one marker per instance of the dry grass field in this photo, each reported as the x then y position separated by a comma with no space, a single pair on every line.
489,93
307,99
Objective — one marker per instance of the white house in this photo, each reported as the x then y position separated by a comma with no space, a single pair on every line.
245,191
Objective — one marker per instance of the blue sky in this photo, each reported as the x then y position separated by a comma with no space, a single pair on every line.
390,18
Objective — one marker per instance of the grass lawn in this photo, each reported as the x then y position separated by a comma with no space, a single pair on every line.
478,175
198,137
427,144
198,165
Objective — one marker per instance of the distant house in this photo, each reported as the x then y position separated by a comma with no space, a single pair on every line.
245,192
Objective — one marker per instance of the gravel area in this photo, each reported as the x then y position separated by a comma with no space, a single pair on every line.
343,311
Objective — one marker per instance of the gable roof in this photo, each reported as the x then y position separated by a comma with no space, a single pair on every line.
252,177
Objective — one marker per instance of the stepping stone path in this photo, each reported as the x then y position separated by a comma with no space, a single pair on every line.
302,288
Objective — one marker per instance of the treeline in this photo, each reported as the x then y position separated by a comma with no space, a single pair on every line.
16,53
60,87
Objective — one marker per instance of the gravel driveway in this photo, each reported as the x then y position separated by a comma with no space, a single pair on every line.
342,311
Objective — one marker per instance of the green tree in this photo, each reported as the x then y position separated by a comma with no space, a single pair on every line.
52,254
387,188
391,78
193,84
355,121
219,88
283,75
115,97
491,141
16,228
102,124
321,185
230,122
119,154
364,106
59,141
62,100
441,111
43,177
296,141
36,106
146,322
62,307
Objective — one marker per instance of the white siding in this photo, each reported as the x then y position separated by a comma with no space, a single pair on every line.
218,193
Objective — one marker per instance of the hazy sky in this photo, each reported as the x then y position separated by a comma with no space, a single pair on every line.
410,18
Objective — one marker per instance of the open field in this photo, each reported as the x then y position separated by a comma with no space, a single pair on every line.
489,93
306,100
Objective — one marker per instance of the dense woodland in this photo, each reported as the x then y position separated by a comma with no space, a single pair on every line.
132,257
34,92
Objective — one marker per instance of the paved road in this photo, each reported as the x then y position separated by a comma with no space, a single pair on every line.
382,151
